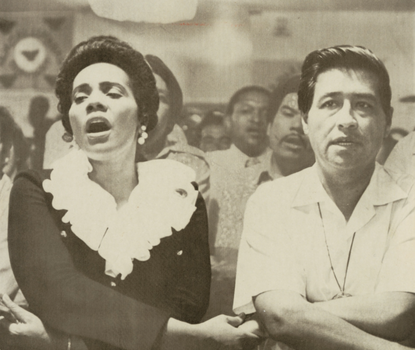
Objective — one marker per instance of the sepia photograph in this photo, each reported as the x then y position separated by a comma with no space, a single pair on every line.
207,174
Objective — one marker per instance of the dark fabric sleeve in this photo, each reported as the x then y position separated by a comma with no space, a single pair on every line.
59,294
191,296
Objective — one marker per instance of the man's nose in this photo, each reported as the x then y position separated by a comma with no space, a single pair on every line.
345,117
296,124
258,116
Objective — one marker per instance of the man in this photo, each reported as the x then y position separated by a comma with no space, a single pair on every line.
326,258
247,114
233,178
214,133
291,150
402,157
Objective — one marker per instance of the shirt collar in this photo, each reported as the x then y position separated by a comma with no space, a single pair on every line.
382,189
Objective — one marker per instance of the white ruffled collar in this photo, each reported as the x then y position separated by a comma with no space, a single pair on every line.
163,199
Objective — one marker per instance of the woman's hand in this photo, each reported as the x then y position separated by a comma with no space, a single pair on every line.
21,329
228,332
218,333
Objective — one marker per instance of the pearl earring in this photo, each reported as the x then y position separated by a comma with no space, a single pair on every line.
67,137
143,135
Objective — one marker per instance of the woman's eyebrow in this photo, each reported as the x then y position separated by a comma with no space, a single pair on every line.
81,88
107,85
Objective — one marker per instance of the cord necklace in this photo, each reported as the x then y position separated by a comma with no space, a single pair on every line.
342,293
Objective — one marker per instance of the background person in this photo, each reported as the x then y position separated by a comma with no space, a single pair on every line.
167,140
291,149
14,152
234,177
402,156
327,250
214,133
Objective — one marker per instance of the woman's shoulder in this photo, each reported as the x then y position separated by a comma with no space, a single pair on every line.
35,177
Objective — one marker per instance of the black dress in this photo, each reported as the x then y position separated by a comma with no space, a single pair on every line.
65,284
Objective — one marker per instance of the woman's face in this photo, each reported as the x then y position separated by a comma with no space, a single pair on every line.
104,113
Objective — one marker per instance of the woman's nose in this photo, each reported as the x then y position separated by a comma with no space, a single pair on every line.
96,103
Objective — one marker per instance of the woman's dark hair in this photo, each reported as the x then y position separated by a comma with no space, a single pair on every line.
287,86
108,49
173,87
345,57
11,135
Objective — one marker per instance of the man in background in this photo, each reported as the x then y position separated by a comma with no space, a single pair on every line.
214,133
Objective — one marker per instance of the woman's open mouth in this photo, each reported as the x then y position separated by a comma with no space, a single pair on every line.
98,128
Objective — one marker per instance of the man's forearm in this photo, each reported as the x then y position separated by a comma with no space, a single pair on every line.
290,319
387,315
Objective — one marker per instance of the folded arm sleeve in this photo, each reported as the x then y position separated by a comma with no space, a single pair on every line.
267,258
57,292
191,296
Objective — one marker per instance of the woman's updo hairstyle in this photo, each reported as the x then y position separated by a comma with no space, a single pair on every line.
108,49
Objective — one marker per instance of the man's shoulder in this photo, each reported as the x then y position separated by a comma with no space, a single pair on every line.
281,191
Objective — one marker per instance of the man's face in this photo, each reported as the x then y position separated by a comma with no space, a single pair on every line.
286,135
346,123
249,122
214,138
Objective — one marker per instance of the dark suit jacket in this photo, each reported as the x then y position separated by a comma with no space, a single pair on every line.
65,284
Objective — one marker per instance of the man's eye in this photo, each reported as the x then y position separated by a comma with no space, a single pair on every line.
363,105
329,104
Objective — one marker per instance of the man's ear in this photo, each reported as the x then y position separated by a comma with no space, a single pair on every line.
228,123
389,124
304,123
269,129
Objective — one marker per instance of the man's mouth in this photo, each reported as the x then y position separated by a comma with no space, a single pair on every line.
295,140
254,132
344,141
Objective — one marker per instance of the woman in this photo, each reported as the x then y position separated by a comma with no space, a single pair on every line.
104,249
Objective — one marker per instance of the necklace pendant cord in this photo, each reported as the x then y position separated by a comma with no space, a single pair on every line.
342,293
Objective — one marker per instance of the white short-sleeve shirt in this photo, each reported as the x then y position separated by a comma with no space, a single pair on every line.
283,242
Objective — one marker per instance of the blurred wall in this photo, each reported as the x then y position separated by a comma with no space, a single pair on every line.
225,48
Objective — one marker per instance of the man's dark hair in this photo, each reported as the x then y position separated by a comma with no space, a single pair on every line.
108,49
285,87
236,96
344,57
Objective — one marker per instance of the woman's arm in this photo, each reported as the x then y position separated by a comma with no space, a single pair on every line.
191,289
